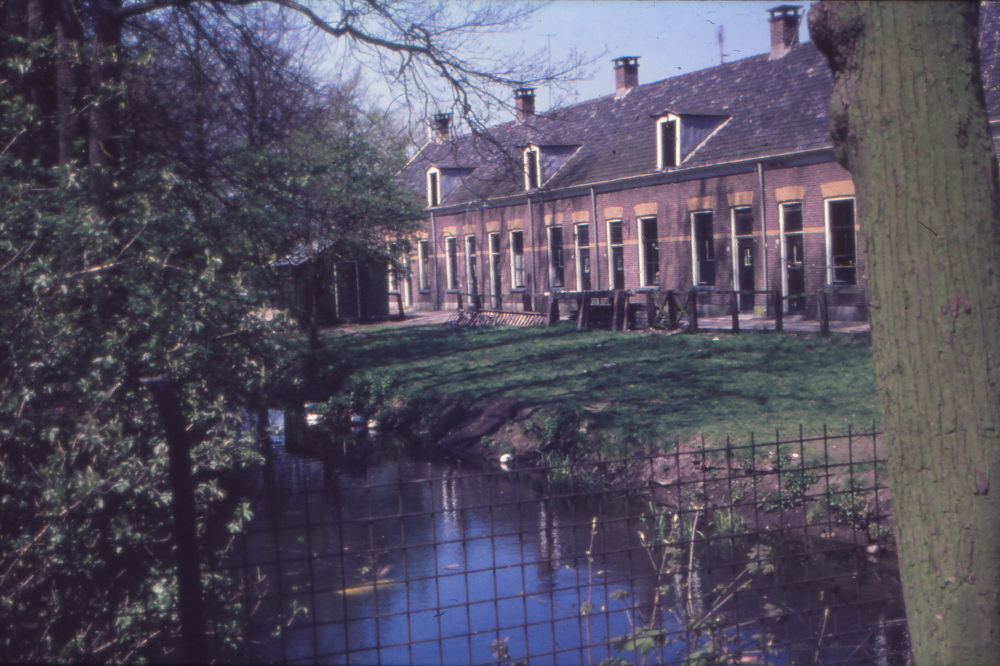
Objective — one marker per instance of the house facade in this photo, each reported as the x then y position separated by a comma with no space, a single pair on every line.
720,180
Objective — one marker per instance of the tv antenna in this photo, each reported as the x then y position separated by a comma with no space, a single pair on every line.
722,44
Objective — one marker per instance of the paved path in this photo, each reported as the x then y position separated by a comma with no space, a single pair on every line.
792,324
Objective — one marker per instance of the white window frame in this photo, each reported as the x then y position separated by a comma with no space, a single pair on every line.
394,279
407,284
643,282
829,240
576,254
532,152
611,253
423,252
513,267
452,283
433,187
695,265
733,240
468,264
490,257
660,152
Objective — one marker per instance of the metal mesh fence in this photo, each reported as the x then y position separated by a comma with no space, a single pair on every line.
776,552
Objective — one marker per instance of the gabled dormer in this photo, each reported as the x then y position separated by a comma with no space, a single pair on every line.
679,134
541,162
532,168
442,181
433,187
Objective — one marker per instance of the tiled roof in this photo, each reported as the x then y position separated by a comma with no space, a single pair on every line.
776,107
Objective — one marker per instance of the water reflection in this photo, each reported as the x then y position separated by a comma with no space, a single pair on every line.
417,561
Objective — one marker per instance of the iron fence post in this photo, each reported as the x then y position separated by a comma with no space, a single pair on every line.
734,310
779,325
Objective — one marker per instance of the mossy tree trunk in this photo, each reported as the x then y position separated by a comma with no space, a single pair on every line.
909,122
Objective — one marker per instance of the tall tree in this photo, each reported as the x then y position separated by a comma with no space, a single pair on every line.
152,156
425,50
909,121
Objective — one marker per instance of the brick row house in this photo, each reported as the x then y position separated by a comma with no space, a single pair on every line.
719,180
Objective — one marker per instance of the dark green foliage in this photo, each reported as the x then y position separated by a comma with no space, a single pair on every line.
110,272
850,505
794,487
557,430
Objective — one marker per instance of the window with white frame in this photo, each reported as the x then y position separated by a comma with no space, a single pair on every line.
649,262
395,269
668,148
451,262
433,187
742,244
424,264
471,268
557,267
703,248
517,259
532,169
581,237
616,255
495,287
841,249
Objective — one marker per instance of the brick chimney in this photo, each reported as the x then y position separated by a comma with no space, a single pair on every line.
524,101
784,22
626,75
441,124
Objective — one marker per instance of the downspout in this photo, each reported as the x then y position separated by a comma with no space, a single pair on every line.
486,270
763,224
531,237
597,243
465,253
434,246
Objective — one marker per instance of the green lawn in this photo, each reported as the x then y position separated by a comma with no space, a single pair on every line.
640,388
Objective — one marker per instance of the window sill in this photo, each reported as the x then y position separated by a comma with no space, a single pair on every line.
652,287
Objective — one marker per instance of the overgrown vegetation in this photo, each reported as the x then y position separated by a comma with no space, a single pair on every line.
669,543
137,218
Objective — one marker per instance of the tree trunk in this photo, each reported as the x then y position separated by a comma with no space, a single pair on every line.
909,122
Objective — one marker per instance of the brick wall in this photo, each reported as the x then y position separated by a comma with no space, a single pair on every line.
671,205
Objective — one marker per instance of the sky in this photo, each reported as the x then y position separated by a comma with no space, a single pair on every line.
670,37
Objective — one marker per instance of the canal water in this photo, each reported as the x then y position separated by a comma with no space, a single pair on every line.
410,561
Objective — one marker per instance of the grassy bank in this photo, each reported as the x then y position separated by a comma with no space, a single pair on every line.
616,391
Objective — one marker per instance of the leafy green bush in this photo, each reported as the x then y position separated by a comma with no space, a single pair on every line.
794,488
849,506
557,430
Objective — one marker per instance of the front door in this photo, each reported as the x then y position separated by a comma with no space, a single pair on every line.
746,282
795,275
793,257
618,266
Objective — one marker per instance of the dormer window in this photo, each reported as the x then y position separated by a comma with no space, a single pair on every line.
668,148
532,169
433,187
681,133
